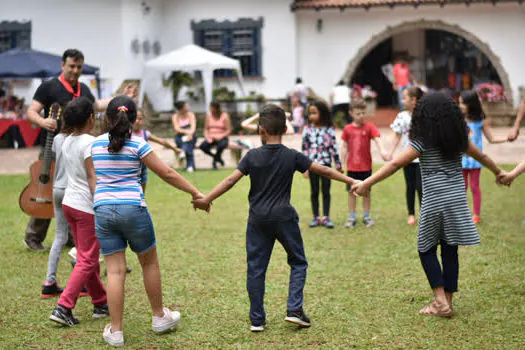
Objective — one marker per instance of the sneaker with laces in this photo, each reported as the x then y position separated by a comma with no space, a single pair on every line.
350,222
63,316
113,338
367,220
245,143
166,322
297,317
50,290
100,311
315,222
327,222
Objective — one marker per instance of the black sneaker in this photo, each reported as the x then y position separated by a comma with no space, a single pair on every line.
315,222
63,316
34,246
100,311
297,317
51,290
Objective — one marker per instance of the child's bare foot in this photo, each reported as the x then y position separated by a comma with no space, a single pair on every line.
436,308
411,220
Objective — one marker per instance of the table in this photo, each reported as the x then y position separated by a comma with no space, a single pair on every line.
28,131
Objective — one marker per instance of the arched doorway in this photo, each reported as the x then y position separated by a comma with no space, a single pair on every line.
379,50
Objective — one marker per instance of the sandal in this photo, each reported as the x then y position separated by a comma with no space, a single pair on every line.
434,309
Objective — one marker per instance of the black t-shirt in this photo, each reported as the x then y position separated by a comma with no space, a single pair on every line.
271,169
52,91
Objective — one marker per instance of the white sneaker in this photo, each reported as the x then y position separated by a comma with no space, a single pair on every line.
190,169
182,155
257,328
113,338
73,253
165,323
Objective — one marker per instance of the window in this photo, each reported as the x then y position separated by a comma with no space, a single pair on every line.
14,34
240,40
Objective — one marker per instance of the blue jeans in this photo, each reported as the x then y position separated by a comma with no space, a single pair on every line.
400,95
187,147
260,239
117,225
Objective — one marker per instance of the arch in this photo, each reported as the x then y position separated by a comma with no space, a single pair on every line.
425,24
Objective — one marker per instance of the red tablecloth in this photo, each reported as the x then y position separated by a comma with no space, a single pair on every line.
29,131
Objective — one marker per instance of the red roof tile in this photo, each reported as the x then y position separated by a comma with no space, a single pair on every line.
341,4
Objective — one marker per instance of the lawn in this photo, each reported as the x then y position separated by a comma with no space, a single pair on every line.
364,286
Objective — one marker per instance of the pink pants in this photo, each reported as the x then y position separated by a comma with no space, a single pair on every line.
474,187
87,269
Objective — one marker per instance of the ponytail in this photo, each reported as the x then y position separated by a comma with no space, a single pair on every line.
121,114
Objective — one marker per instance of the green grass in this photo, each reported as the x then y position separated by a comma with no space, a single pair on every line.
364,287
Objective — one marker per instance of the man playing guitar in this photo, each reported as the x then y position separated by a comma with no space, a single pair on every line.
62,90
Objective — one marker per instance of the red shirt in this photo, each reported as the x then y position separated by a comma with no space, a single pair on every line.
358,140
402,74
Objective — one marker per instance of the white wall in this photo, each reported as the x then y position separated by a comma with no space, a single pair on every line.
278,36
323,57
101,29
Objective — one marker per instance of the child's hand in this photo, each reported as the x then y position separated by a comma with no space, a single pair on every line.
306,174
360,189
200,202
386,157
504,178
340,169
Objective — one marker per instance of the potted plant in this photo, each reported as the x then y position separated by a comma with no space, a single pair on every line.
368,95
493,99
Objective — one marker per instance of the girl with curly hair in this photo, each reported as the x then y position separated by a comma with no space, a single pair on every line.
438,137
320,145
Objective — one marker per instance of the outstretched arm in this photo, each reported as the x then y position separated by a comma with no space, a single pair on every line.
515,130
387,170
379,145
481,157
331,173
395,143
249,124
487,131
164,143
219,190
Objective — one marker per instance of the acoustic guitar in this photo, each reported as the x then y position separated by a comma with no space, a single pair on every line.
37,198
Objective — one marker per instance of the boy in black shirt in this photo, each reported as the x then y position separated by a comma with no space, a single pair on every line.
272,217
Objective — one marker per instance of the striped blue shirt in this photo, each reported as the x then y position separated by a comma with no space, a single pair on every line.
119,174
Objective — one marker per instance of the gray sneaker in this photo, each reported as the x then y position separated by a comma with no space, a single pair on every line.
367,220
351,222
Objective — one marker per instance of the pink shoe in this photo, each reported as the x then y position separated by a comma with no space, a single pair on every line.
476,219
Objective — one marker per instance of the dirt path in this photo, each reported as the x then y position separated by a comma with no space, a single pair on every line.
18,161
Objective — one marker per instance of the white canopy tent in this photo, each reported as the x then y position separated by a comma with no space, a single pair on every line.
188,59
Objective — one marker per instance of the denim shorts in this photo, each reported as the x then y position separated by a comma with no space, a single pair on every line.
118,225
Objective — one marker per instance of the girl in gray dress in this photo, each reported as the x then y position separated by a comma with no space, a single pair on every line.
439,137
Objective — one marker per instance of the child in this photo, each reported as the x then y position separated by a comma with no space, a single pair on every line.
121,215
298,115
438,137
138,130
471,109
358,158
319,144
50,288
508,178
271,169
78,210
401,127
184,125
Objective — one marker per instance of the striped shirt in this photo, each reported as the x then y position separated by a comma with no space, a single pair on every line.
118,174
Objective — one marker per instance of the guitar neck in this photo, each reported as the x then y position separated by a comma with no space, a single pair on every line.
48,153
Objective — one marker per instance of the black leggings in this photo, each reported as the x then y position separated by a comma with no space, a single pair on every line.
314,187
413,182
448,278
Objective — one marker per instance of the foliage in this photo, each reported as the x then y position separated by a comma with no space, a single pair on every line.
364,92
340,119
363,291
491,92
176,81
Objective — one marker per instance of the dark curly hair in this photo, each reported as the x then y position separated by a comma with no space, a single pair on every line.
471,99
76,114
120,114
438,123
325,116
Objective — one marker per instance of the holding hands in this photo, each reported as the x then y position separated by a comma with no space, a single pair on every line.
359,188
201,202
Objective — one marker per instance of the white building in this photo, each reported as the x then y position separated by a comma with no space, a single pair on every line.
321,41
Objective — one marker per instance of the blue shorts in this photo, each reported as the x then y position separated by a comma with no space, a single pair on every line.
118,225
